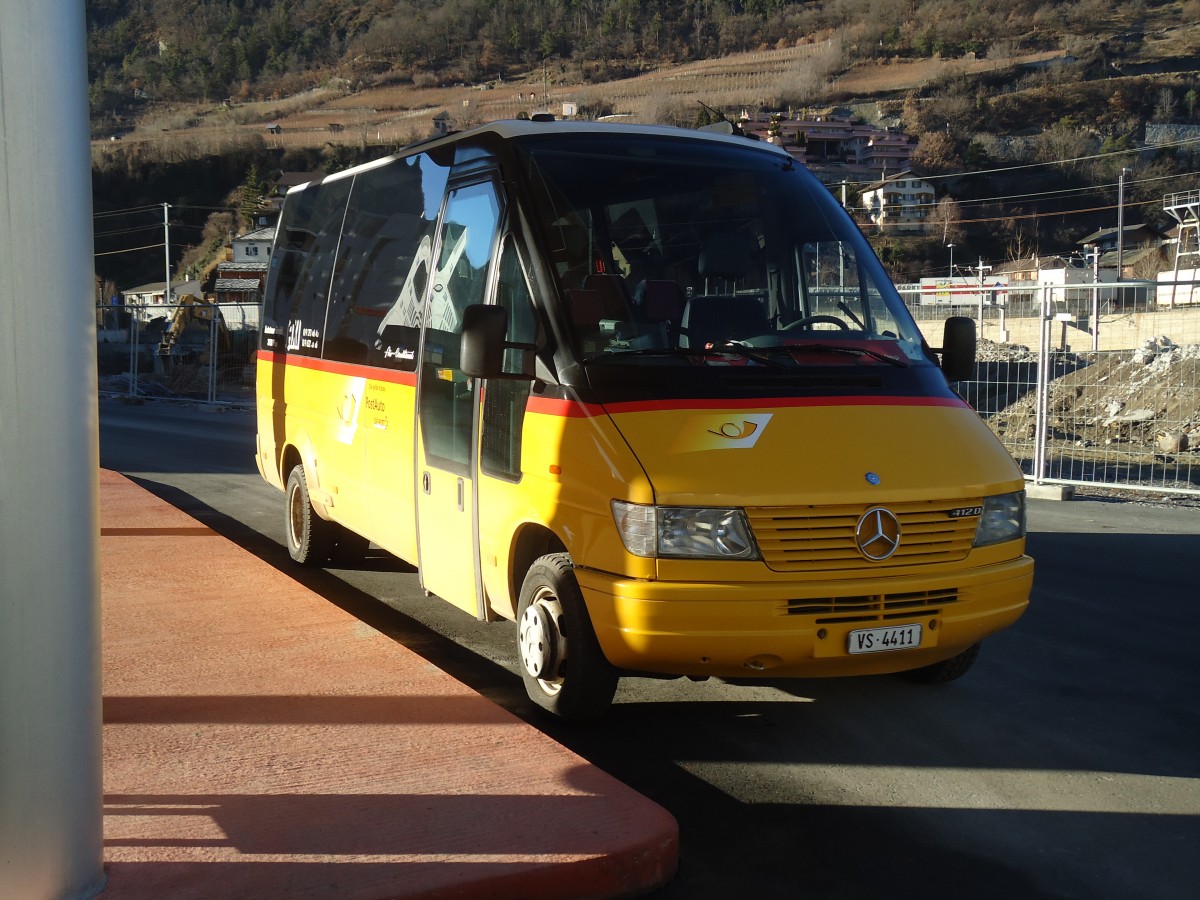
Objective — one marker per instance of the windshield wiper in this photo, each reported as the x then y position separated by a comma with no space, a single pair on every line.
619,354
768,356
853,351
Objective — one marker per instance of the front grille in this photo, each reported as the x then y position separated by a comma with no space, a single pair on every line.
821,538
872,607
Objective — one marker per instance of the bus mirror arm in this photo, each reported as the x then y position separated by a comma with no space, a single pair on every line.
482,345
958,348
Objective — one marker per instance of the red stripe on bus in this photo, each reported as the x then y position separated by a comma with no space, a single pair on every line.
555,406
576,409
371,373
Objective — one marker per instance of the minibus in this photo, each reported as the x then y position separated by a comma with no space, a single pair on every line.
644,393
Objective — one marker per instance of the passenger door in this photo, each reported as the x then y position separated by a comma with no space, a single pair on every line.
447,402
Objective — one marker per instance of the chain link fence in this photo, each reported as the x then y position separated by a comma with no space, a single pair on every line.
1088,385
191,350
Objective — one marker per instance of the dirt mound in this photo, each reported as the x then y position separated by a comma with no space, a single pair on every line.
1148,398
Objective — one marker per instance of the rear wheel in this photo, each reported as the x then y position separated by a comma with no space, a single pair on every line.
310,538
945,671
564,669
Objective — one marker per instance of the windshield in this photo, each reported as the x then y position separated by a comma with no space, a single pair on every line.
673,249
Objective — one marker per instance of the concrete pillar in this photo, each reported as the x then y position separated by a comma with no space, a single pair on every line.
50,718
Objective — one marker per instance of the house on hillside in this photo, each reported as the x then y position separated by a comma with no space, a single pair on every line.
1034,278
272,204
1140,258
239,282
254,246
834,147
150,301
900,203
1133,236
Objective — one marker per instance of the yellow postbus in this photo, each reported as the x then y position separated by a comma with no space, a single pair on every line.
644,392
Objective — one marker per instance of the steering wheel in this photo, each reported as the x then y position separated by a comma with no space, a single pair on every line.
815,320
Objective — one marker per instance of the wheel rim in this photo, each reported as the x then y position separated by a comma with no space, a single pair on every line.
540,642
295,515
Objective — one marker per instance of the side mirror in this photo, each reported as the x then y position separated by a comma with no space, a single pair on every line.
481,349
958,348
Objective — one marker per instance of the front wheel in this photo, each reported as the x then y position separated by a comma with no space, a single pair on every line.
564,669
945,671
310,538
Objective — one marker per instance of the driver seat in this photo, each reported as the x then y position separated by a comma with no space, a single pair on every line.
708,320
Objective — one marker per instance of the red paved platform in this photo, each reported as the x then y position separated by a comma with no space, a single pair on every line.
259,742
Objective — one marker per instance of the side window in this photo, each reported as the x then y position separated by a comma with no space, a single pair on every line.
447,396
302,269
383,264
504,401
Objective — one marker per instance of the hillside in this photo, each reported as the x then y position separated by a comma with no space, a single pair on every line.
981,86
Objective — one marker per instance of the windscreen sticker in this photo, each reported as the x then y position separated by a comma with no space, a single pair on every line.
724,431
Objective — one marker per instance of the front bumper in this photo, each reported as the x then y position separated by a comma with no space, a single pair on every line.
770,629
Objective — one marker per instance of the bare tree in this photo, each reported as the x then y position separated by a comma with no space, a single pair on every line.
1165,106
1021,234
947,216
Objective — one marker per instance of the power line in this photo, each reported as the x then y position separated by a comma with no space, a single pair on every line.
132,209
1057,162
157,226
1076,190
129,250
1036,196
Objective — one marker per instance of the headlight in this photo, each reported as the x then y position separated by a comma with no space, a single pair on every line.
1003,519
684,531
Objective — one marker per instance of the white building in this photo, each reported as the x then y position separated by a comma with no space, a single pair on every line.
148,301
902,202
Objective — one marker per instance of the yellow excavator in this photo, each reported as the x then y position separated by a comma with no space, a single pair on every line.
195,314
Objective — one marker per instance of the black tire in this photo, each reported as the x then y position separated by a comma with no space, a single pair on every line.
945,671
310,538
564,669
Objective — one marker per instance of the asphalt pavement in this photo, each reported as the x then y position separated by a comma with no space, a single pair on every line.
1066,764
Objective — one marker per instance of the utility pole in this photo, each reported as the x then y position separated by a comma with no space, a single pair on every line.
951,249
982,269
166,254
1121,224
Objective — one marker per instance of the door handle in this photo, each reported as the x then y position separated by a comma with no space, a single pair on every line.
425,482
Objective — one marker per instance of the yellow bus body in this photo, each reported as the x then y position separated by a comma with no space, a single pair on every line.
805,469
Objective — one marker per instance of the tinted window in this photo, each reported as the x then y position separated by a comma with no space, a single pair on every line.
383,264
686,244
504,402
302,267
447,400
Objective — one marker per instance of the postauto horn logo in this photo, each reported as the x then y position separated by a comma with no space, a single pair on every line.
727,431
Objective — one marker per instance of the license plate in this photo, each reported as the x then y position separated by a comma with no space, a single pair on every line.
875,640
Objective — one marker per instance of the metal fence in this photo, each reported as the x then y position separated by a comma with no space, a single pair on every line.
1092,385
1089,385
186,351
